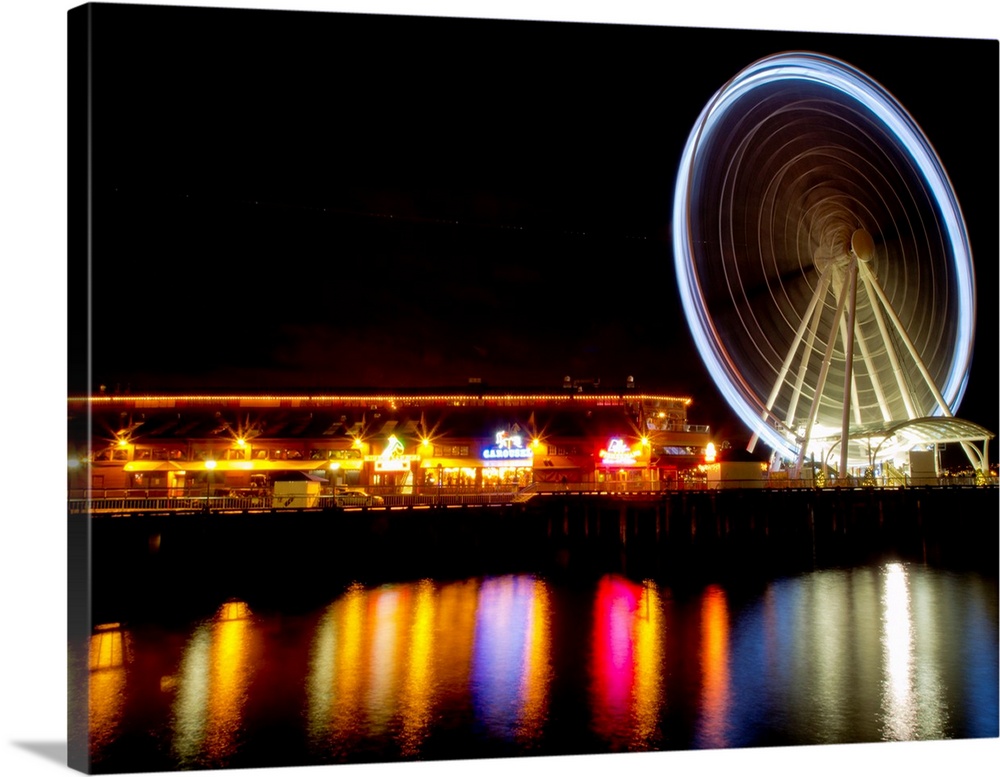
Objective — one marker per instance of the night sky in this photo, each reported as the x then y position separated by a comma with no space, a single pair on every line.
317,201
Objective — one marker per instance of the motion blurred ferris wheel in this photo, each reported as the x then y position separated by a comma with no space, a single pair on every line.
823,260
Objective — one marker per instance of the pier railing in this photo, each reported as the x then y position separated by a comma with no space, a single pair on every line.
126,501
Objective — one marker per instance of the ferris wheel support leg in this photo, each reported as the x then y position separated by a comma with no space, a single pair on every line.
845,418
818,294
800,378
854,403
821,382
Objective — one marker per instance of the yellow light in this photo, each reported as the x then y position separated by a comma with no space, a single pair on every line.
710,452
210,464
240,441
122,442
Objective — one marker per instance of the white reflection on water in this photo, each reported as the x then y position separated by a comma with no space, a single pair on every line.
899,703
417,692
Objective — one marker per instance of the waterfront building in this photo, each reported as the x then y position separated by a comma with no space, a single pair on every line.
452,440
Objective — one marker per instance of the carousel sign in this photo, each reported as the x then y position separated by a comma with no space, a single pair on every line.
507,446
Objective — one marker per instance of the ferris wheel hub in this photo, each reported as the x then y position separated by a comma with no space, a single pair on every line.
862,245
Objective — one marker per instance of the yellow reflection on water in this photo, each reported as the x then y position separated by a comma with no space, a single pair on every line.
648,658
108,651
534,693
212,688
714,667
417,692
335,676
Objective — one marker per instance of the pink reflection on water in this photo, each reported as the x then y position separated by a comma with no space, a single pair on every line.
626,662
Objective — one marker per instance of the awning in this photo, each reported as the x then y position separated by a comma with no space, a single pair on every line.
444,463
156,466
254,465
543,463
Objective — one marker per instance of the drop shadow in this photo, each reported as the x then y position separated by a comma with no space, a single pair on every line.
51,751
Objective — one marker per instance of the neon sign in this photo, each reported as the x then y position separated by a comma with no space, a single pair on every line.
507,446
617,453
392,459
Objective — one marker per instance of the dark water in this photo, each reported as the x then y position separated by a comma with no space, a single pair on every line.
515,665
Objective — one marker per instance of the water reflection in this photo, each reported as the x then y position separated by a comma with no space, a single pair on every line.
626,663
108,652
409,651
510,664
898,702
518,664
715,696
211,689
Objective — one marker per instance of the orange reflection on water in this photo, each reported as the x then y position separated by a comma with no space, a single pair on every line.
382,656
385,660
714,668
214,676
627,659
108,649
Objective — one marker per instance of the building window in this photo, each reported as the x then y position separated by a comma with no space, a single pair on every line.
451,450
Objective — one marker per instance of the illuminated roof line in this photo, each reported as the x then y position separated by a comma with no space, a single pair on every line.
366,397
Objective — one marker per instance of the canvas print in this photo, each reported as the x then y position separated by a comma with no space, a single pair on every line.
453,388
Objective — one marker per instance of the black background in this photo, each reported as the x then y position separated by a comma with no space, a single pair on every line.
321,201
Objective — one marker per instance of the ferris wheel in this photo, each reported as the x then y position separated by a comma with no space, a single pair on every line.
822,258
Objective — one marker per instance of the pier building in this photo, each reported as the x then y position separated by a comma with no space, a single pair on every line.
399,442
